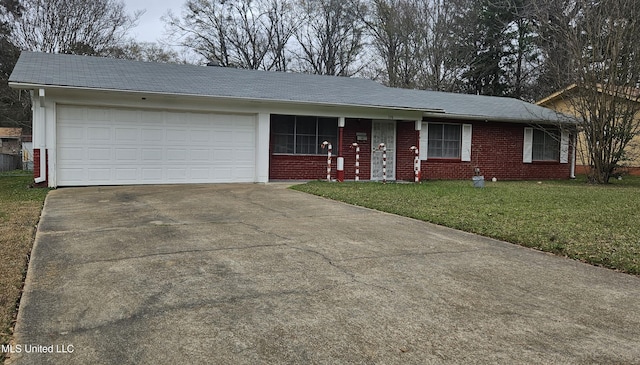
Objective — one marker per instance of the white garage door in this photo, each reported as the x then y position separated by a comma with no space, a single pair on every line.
111,146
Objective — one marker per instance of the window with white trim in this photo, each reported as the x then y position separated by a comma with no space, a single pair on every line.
444,140
291,134
545,146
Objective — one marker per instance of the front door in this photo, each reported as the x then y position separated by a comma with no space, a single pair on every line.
383,131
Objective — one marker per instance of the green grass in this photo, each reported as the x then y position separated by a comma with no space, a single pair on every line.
20,208
595,224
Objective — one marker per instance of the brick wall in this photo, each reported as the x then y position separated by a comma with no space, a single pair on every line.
406,136
36,164
312,167
352,127
497,150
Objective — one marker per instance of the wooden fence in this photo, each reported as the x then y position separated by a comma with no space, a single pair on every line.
9,162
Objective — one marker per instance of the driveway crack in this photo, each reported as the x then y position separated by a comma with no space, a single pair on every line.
340,268
183,252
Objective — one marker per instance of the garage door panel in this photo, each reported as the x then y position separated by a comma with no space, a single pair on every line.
176,136
126,116
151,155
127,155
71,153
200,155
99,174
126,174
98,114
125,135
200,136
110,146
98,134
177,174
73,174
152,135
176,155
245,174
71,113
98,154
72,134
152,174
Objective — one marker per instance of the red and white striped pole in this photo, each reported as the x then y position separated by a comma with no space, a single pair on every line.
384,162
357,160
327,144
416,163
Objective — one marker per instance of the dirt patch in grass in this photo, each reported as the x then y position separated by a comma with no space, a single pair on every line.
19,213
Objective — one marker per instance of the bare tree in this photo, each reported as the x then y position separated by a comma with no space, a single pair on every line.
603,48
239,33
331,37
147,52
392,24
441,59
70,26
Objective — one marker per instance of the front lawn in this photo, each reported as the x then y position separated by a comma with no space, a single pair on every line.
20,208
596,224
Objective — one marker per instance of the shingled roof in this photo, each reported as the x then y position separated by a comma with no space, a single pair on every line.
42,70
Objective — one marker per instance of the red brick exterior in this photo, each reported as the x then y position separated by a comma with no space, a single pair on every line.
496,148
36,165
406,137
312,167
353,126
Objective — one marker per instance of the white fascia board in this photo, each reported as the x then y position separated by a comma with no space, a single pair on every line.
391,111
208,104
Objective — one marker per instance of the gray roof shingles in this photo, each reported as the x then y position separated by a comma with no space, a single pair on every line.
43,69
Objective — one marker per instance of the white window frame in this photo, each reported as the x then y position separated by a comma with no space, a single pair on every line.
465,141
527,150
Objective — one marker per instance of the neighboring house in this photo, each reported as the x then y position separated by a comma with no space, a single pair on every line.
10,141
562,101
100,121
27,153
10,147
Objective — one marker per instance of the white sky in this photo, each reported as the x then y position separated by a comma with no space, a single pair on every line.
150,28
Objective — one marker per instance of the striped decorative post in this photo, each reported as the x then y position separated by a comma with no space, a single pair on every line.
383,147
357,160
416,163
327,144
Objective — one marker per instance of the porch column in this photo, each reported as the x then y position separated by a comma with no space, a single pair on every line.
418,128
340,159
262,147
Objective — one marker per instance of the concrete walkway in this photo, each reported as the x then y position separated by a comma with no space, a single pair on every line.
260,274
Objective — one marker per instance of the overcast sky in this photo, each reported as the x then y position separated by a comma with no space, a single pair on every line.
150,28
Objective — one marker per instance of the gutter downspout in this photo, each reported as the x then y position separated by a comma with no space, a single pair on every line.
43,150
573,159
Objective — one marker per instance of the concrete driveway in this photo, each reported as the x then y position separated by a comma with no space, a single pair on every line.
260,274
